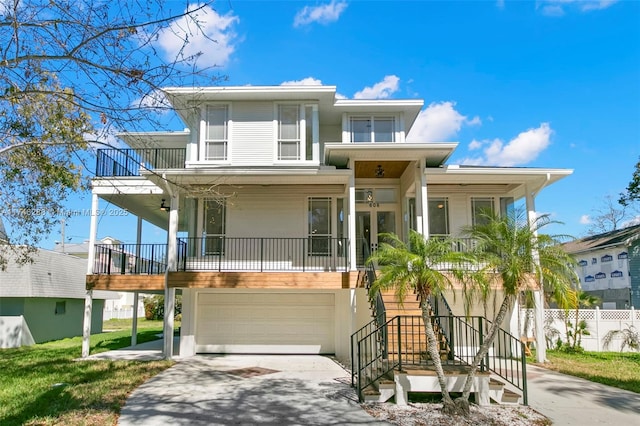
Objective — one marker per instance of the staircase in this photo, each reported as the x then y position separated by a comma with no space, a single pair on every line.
394,345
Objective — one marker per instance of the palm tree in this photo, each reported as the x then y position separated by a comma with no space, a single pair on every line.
513,254
417,267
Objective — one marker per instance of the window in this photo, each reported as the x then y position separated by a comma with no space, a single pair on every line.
214,227
373,129
481,208
438,216
216,136
61,308
319,226
288,132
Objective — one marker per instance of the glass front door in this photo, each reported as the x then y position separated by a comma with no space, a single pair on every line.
368,231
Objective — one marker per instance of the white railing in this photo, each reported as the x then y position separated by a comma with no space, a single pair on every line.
126,313
599,323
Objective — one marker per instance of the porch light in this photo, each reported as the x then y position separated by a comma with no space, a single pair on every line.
379,171
164,207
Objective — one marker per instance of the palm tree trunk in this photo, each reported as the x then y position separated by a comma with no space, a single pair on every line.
448,406
484,348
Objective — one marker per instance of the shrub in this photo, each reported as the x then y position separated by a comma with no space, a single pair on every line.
154,307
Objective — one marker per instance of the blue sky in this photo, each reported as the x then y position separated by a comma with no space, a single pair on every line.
544,84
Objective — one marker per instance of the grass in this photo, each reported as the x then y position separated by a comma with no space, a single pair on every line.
43,385
620,370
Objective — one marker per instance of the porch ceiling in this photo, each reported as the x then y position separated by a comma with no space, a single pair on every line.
341,154
513,179
252,176
390,169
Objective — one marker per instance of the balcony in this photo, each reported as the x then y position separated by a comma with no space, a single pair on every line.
226,254
129,162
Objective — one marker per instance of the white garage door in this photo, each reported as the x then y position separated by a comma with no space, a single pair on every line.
275,323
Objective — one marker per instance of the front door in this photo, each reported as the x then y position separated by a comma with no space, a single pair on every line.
368,231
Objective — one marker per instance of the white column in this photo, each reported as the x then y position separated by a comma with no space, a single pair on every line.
93,230
352,222
134,323
88,300
172,263
422,219
188,327
541,348
86,328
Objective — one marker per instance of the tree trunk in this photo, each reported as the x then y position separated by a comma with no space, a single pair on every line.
484,349
448,406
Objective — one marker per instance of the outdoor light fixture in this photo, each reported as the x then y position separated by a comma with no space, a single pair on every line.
369,196
379,171
164,207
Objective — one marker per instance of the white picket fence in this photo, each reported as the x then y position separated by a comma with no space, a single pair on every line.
599,323
121,313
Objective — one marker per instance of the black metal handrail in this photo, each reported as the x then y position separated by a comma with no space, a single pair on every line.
221,253
128,162
121,259
372,360
407,346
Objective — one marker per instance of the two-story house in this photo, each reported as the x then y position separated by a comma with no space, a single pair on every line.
609,266
273,198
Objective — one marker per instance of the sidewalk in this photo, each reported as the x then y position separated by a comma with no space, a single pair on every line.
568,400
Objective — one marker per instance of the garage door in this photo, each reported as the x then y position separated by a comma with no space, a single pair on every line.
275,323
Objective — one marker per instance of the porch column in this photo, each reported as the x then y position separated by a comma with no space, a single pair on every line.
541,348
88,300
352,222
172,263
134,323
422,219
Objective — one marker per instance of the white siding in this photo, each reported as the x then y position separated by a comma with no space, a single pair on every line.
253,140
267,215
458,213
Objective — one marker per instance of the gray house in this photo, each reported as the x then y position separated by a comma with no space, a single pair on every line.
44,300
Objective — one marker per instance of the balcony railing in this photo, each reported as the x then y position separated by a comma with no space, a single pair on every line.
219,253
128,162
135,259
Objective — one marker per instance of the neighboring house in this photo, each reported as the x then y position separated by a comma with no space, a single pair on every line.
113,259
279,194
609,266
44,300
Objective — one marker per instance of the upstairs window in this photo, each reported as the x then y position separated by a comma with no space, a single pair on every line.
216,134
373,129
289,132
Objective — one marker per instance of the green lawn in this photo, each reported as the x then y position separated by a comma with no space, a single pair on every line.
621,370
42,384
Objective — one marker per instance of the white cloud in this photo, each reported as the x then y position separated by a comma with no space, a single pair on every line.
585,219
340,96
560,7
631,222
475,121
552,10
586,6
518,151
156,101
380,90
309,81
439,122
475,144
209,35
323,14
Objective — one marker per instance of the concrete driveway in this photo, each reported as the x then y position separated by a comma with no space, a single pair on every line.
247,390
